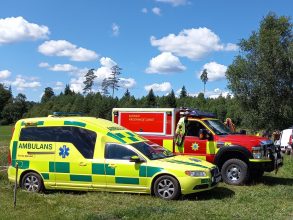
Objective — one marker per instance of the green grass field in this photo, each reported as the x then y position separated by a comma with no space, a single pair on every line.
270,198
5,135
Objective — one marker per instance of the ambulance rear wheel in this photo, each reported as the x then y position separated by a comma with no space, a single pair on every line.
32,182
235,172
167,187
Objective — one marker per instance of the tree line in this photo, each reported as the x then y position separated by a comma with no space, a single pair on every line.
260,79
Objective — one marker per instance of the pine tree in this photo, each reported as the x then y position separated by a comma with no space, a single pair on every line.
89,81
204,78
48,94
183,93
171,100
151,99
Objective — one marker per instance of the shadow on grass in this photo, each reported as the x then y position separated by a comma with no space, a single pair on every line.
273,181
216,193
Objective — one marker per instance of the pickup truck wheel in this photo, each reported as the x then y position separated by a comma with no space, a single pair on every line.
32,182
235,172
167,187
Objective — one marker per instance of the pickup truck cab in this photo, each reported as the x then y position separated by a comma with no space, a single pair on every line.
192,132
86,153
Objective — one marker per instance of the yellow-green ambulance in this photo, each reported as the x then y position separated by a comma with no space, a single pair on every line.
86,153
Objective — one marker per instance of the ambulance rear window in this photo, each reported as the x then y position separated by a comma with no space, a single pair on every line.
84,140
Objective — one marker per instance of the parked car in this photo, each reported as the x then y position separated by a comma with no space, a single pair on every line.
86,153
285,142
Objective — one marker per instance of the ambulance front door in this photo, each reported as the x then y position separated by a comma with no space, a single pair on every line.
121,174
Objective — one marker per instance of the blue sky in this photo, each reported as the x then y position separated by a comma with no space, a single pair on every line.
159,44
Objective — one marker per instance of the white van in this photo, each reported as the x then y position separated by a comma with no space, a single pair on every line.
286,140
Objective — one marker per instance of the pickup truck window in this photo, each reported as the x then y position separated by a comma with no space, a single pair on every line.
118,152
217,127
193,128
84,140
152,151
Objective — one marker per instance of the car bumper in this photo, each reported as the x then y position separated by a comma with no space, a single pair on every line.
268,165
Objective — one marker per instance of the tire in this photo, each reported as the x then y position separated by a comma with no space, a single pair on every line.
32,182
288,152
167,187
235,172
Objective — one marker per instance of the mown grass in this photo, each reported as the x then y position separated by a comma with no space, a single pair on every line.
5,135
271,198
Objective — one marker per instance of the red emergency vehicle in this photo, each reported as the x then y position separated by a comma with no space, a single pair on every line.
240,157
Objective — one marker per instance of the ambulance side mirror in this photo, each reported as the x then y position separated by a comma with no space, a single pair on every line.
136,159
205,134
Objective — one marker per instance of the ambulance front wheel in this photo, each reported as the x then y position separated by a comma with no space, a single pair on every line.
32,182
167,187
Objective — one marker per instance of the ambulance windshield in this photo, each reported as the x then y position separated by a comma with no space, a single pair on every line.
152,150
218,127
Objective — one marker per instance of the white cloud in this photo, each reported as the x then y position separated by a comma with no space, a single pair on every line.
4,74
156,11
192,43
115,29
144,10
58,85
44,65
213,93
64,48
215,71
163,87
174,2
15,29
107,62
22,83
166,62
63,68
76,84
127,83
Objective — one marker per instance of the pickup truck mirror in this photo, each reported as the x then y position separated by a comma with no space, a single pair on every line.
136,159
205,134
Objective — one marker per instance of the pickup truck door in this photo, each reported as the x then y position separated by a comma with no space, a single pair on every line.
192,144
121,174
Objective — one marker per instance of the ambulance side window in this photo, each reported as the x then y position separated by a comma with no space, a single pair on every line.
84,140
118,152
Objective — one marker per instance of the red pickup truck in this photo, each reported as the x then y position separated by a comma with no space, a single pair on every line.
240,157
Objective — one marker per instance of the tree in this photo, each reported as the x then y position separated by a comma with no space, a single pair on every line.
48,94
183,93
68,91
89,81
171,100
151,99
261,77
126,94
105,87
5,96
204,78
112,82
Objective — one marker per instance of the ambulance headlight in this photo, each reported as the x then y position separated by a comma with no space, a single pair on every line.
195,173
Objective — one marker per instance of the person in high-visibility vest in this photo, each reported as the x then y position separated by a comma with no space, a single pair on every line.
180,131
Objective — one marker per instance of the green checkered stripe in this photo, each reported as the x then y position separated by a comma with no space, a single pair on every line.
125,137
100,169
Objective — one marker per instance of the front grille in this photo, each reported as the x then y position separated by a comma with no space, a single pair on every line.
269,150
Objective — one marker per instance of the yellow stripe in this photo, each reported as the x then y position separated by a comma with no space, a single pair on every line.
211,147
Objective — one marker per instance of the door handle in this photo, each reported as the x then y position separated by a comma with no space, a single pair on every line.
112,165
82,164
